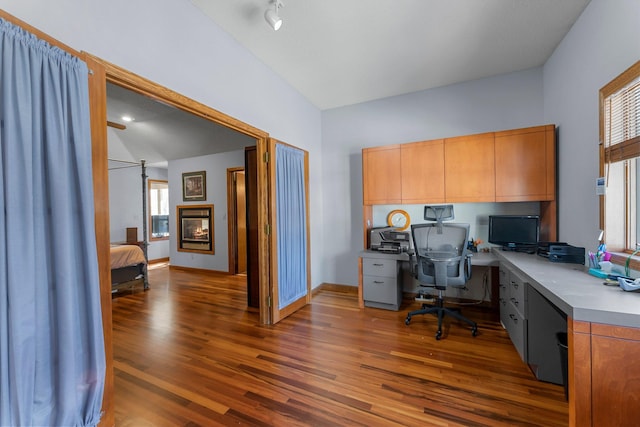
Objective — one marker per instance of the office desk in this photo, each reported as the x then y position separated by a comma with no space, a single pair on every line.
603,327
485,259
575,292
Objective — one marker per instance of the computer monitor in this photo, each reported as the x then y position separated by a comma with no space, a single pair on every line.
515,232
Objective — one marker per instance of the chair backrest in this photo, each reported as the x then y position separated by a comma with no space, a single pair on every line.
441,253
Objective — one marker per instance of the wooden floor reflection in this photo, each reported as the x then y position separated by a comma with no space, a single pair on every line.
188,353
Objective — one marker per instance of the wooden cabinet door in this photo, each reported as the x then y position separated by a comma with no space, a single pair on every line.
525,164
615,375
381,175
469,168
422,172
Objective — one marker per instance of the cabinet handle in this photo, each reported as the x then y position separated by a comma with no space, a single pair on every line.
515,301
514,284
378,282
378,265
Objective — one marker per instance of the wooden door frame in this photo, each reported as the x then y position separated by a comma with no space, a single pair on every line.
232,218
128,80
131,81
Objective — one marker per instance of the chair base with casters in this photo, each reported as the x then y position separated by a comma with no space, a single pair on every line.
440,310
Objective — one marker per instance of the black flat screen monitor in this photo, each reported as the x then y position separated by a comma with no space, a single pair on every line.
514,232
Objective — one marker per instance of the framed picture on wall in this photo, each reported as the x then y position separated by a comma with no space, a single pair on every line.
194,186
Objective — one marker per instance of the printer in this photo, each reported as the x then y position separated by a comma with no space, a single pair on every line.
561,252
389,239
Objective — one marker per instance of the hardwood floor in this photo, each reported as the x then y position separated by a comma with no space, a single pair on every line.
188,353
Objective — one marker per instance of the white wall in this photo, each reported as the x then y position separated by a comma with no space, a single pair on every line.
504,102
125,195
125,205
215,166
475,214
603,43
174,44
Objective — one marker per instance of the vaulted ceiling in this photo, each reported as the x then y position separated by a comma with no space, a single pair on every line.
342,52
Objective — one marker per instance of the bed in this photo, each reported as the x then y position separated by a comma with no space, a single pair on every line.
128,263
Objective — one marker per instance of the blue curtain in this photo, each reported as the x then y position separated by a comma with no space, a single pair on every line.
291,220
52,362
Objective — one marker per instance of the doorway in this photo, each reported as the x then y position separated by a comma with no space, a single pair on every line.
124,79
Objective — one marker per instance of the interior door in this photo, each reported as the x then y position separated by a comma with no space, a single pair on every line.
290,281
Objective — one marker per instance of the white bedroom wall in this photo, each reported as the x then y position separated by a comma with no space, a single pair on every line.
125,195
603,42
216,166
504,102
174,44
125,204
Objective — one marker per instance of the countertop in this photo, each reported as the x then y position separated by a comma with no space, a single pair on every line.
574,291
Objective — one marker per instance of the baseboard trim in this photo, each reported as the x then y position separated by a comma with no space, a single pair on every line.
159,260
334,287
198,270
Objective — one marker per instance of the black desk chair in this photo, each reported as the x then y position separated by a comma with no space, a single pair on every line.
441,261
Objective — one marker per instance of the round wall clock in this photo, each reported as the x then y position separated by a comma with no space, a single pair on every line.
398,219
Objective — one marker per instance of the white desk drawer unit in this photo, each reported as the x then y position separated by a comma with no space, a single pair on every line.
381,284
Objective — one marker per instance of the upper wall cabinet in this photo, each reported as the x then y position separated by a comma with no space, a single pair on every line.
422,172
381,175
525,164
507,166
469,168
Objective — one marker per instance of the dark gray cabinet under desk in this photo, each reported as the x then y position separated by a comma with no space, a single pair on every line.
545,321
382,282
532,322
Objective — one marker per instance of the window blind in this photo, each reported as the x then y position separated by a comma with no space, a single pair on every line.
622,123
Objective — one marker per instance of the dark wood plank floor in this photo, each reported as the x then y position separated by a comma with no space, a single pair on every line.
189,353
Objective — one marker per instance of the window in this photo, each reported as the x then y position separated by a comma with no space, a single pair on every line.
158,209
619,157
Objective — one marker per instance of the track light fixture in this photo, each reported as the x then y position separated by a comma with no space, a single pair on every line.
272,17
